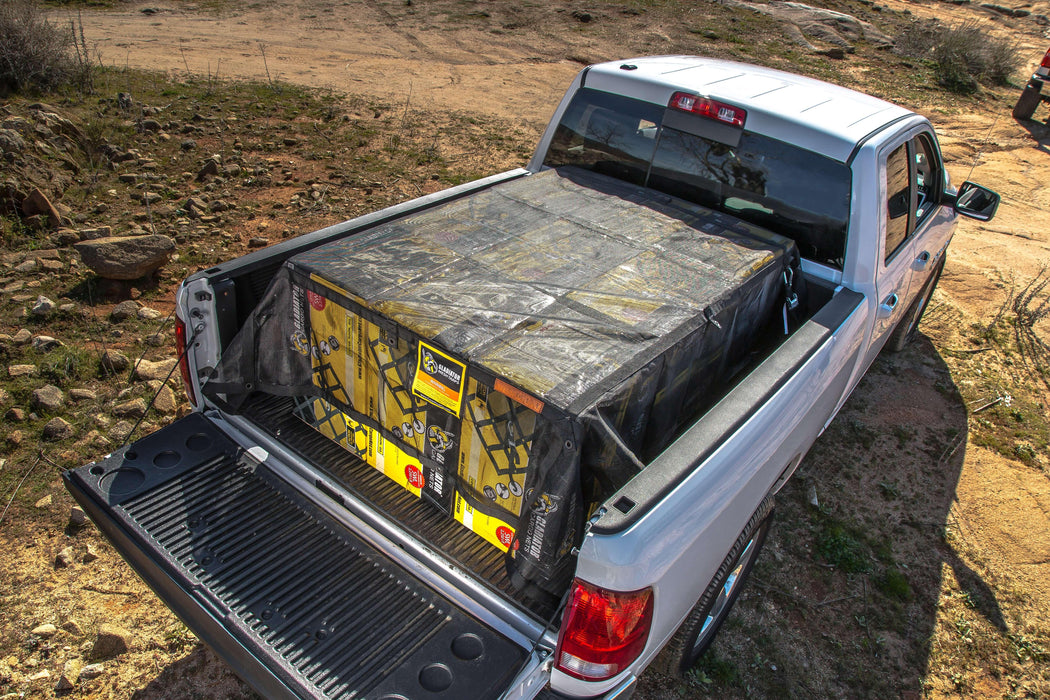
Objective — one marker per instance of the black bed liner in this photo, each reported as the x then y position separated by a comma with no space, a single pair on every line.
296,603
472,553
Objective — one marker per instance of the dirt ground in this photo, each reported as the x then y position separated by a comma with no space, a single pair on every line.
982,517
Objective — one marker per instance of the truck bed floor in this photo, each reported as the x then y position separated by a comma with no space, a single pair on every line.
332,616
441,532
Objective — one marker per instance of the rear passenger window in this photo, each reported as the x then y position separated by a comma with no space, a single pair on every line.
913,186
898,202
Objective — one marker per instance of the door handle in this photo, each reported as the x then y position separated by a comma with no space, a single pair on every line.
888,305
922,261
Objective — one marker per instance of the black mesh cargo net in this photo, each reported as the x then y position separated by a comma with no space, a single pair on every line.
516,356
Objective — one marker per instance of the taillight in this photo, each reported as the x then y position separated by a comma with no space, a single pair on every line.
708,108
1046,60
184,361
602,631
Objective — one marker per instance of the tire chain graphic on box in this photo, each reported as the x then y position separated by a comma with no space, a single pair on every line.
503,451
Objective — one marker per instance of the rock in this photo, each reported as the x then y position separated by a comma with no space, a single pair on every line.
21,370
45,343
146,370
124,310
48,398
290,141
4,396
77,517
63,685
148,314
40,676
115,361
67,308
11,141
157,340
44,631
126,258
209,169
44,502
129,178
165,400
64,559
93,234
22,337
57,429
15,415
581,16
111,641
16,286
811,496
188,144
27,266
80,394
73,627
65,237
37,204
121,431
258,242
42,307
90,554
195,206
52,265
91,672
218,205
15,437
149,125
136,408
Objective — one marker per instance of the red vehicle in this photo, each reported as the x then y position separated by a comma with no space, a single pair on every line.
1032,94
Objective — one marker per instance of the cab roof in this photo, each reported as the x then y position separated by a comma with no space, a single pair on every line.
824,118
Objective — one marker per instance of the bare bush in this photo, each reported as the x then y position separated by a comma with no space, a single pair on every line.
36,54
965,56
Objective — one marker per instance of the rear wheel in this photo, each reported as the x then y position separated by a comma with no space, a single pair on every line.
1027,102
698,630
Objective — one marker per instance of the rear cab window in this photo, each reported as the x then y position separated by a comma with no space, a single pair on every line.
782,187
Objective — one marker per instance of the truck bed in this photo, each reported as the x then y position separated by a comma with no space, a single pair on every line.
228,545
468,550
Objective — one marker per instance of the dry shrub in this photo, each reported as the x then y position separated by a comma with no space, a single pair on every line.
964,56
37,55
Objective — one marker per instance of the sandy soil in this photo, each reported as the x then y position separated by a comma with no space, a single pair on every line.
999,507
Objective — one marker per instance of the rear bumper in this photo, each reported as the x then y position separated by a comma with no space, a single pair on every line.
299,606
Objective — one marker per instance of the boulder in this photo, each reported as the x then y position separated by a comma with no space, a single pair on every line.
36,203
115,361
124,310
48,398
111,641
57,429
126,258
146,370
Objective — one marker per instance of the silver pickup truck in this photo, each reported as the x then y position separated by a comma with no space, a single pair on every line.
314,574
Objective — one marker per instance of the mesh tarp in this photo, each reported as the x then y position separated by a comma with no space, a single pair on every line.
516,355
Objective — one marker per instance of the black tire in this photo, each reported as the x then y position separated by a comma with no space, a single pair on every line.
909,323
1027,102
699,628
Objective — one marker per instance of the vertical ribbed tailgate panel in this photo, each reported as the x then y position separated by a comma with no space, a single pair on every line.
337,618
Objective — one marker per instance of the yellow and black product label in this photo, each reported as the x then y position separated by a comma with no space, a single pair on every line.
439,379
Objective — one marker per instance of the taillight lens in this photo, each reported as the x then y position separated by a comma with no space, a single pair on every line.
708,108
1046,60
184,361
602,631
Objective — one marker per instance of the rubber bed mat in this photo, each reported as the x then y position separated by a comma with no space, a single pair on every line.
312,603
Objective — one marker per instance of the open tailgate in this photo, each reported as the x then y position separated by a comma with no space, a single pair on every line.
297,604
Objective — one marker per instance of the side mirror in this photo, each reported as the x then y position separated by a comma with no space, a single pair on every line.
976,202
